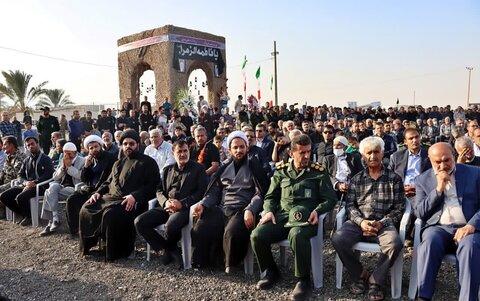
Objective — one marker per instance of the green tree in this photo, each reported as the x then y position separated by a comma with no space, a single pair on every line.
17,88
54,98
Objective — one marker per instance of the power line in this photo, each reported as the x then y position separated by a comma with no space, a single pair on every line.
56,58
252,63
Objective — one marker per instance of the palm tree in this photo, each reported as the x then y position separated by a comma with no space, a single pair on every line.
54,98
17,88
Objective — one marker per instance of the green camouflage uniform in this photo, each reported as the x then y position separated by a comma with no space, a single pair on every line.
10,169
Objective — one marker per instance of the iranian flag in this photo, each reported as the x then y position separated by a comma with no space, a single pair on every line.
257,76
244,64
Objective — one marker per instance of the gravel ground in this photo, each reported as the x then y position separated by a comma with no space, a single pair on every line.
49,268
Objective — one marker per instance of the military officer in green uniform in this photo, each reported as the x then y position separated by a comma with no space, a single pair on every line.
299,183
47,124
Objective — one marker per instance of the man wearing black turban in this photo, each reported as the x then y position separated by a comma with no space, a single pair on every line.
109,213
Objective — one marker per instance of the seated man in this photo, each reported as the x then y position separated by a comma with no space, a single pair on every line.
409,163
448,201
183,185
109,213
13,162
374,204
97,168
159,150
108,144
465,150
342,166
296,184
233,200
35,169
11,167
65,177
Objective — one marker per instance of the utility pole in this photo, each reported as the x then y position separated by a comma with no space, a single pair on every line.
413,97
468,92
275,53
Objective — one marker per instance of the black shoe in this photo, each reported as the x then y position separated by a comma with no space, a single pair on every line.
177,259
301,291
46,231
18,219
272,276
166,258
26,222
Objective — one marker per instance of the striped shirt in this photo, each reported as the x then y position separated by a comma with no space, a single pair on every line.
381,199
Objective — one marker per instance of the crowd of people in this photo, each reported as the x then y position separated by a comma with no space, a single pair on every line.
259,176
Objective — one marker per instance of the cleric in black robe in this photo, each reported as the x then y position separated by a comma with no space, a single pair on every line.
111,210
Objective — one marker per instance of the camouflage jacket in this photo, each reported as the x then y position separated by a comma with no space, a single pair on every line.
12,167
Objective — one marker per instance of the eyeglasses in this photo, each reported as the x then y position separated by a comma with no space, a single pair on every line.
129,143
250,136
259,131
328,132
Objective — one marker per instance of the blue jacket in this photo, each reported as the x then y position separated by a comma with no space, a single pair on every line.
429,204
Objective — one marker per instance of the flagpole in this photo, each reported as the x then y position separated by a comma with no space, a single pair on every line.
274,53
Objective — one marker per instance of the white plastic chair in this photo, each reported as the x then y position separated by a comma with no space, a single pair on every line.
185,242
449,258
316,245
34,204
35,201
397,268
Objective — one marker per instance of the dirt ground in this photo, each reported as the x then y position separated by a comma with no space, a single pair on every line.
49,268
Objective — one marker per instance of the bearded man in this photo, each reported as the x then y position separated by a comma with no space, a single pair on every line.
109,213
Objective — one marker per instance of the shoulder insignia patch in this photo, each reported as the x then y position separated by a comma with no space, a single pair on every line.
281,165
317,166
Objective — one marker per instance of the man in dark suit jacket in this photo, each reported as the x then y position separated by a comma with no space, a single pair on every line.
325,147
448,201
262,141
410,162
183,185
35,169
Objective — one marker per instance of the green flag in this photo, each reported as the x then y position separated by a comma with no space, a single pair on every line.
244,62
271,83
257,75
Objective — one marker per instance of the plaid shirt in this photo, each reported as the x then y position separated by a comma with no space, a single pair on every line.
7,129
381,199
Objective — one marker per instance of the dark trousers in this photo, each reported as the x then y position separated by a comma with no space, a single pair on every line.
235,239
207,236
438,241
149,220
18,200
73,206
45,143
263,236
410,228
111,222
350,233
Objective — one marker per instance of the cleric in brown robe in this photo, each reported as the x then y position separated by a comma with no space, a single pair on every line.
109,213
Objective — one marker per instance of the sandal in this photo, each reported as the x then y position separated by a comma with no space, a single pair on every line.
375,292
359,287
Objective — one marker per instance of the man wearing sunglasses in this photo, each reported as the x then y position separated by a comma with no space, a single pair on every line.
325,147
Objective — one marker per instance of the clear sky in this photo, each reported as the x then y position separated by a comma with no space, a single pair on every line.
330,51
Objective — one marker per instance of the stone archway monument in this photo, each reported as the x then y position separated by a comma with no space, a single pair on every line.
172,53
